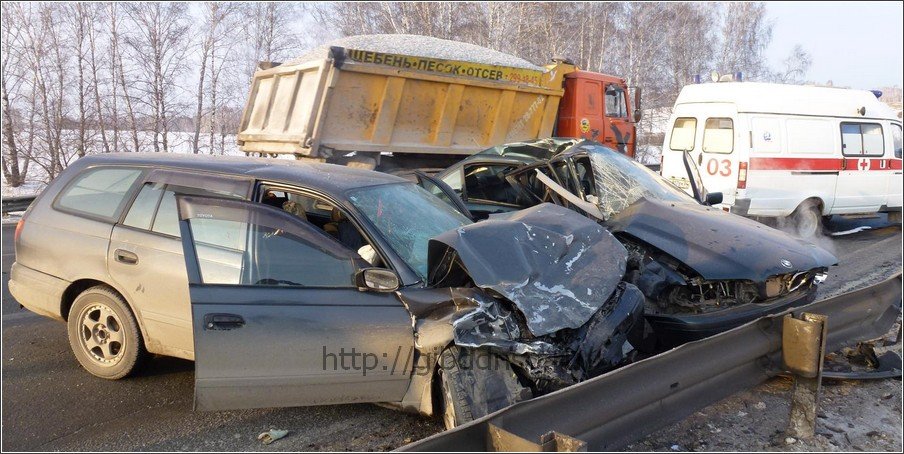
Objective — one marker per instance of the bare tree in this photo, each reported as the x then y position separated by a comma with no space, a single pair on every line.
159,43
92,14
794,67
77,16
117,70
746,33
12,172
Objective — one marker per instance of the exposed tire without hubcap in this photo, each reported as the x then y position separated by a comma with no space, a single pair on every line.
456,409
807,220
103,333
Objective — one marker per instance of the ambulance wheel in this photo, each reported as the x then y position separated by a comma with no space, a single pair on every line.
807,220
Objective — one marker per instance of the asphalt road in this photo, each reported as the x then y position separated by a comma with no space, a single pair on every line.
49,403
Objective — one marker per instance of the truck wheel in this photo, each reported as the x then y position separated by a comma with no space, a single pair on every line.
807,220
104,334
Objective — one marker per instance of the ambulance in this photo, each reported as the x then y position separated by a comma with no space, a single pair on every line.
799,153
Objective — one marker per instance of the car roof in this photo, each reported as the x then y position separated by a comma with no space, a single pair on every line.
327,177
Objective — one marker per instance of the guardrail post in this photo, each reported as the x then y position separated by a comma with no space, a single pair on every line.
501,440
803,352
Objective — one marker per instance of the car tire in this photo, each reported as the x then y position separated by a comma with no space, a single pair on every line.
807,220
456,409
103,334
475,383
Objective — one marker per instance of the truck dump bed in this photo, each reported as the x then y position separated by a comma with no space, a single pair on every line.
365,101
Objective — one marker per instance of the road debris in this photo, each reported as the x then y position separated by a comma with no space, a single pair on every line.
272,435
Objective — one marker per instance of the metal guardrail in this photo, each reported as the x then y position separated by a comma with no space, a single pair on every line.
17,203
622,406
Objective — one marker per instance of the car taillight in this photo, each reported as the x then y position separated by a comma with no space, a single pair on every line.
742,175
19,226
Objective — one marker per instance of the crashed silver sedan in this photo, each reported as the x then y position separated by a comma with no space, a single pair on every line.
286,312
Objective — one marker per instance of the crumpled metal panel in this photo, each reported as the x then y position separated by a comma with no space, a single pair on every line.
624,405
555,265
716,244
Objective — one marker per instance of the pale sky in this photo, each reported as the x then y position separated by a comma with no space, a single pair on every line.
856,44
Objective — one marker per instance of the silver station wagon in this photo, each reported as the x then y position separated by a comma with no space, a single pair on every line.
304,284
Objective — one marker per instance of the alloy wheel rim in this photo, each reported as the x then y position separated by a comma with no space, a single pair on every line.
101,335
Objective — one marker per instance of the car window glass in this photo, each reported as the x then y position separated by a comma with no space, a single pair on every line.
563,175
684,134
406,216
454,180
487,182
99,192
141,214
437,191
615,102
718,135
896,139
167,220
862,139
318,212
584,171
270,251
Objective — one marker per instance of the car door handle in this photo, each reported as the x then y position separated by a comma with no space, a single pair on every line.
223,322
123,256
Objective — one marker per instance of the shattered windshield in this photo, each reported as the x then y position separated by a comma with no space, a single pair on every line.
407,216
620,181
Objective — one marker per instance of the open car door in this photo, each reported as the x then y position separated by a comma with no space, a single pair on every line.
277,317
444,192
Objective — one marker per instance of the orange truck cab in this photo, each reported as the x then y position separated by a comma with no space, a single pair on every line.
596,106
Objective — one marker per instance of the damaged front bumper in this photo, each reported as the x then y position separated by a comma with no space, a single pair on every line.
619,407
673,330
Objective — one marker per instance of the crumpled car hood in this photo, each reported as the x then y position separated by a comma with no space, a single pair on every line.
718,245
556,266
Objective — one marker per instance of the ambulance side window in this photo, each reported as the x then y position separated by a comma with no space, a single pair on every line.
896,139
862,139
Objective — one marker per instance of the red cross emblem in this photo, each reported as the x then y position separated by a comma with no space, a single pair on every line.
863,164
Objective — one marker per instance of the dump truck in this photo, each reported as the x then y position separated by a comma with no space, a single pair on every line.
390,111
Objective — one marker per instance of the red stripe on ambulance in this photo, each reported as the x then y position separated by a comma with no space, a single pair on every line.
825,164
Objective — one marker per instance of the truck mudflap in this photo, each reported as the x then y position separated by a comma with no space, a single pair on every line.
622,406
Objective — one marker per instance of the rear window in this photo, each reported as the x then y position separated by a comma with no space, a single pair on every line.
99,192
684,133
718,135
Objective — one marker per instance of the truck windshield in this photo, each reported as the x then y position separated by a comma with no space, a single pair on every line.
407,216
620,181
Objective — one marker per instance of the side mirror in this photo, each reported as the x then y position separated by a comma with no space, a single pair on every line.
637,115
713,198
377,280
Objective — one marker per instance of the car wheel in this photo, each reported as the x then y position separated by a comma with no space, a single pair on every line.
807,220
104,334
456,406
